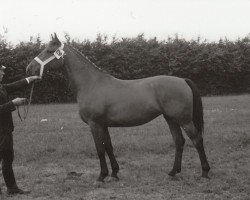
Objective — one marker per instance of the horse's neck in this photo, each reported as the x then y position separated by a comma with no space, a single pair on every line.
82,72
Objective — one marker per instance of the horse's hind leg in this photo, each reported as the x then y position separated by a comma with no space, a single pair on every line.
198,143
179,144
109,151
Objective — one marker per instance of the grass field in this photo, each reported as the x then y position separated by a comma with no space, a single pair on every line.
47,152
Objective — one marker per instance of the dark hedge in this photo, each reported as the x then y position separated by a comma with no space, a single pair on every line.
218,68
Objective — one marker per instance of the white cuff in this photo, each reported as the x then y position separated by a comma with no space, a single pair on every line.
27,80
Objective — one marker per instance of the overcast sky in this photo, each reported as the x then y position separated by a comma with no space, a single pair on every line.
84,19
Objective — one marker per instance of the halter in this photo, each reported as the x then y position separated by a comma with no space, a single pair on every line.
59,53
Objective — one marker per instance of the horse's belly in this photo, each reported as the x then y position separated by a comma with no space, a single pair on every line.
129,123
131,114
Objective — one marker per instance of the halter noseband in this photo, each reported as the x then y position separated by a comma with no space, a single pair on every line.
59,53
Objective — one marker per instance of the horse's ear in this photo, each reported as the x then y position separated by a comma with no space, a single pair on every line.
56,38
52,38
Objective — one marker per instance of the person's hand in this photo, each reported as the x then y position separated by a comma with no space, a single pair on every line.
34,78
19,101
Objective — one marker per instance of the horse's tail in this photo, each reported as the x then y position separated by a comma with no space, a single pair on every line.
197,107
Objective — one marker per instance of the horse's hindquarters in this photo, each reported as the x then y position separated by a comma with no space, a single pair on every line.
175,98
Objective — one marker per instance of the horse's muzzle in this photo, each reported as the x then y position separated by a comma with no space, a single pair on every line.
32,70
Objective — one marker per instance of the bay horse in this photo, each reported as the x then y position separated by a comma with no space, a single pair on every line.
105,101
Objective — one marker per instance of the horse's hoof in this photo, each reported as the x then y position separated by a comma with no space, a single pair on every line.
112,179
98,183
205,175
172,173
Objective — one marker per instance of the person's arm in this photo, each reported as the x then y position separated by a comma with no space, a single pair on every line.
15,85
11,105
20,84
7,107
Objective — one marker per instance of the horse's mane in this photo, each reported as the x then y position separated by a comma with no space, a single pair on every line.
83,57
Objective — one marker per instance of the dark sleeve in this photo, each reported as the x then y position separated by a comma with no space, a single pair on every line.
7,107
15,85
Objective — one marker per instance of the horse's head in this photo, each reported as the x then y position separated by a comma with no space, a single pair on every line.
52,54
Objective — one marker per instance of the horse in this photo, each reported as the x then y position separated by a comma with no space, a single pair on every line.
105,101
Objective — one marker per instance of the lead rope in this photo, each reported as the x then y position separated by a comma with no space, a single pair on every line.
26,106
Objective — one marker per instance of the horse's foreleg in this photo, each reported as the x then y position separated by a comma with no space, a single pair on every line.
98,133
198,143
179,144
109,150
